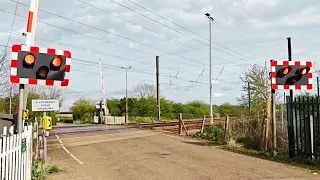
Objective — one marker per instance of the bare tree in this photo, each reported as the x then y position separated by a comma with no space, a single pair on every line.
48,92
259,87
144,90
4,74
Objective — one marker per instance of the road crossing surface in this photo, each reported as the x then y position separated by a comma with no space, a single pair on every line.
115,153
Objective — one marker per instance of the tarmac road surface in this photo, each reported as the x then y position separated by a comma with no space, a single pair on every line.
114,153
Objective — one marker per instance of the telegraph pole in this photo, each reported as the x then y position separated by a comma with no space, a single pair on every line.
274,122
10,102
249,98
318,92
158,88
126,91
210,67
284,102
106,110
290,59
30,33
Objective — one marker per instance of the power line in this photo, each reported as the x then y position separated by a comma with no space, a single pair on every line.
95,73
119,67
185,28
179,31
14,18
83,34
114,67
101,53
133,70
219,74
142,27
90,50
157,32
114,34
93,51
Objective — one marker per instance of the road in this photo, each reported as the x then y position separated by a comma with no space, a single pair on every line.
114,153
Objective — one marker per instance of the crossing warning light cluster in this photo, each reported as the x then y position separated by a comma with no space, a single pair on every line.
40,66
296,75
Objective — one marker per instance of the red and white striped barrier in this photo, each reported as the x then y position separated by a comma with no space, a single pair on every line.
14,66
31,24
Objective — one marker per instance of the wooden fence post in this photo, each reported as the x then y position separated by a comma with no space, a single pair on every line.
180,124
226,128
267,124
311,136
203,121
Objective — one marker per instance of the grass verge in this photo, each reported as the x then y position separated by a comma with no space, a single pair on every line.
40,171
300,162
249,146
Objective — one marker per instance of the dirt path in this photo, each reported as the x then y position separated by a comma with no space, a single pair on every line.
149,155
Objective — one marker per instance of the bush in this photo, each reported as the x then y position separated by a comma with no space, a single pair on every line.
40,171
141,119
66,119
83,110
213,133
37,171
54,117
51,169
250,142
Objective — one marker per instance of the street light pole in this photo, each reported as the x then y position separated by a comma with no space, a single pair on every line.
126,120
210,67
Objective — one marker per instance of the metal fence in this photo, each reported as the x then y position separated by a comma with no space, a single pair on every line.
303,126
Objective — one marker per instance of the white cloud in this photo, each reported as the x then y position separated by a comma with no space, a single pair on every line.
217,95
247,26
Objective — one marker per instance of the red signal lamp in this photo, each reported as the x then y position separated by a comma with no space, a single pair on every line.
303,70
284,71
56,63
29,60
42,72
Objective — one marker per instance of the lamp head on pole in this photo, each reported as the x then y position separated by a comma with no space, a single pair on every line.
126,67
209,16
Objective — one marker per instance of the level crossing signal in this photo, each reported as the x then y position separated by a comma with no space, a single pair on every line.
296,75
39,66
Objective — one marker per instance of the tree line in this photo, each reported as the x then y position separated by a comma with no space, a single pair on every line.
35,92
142,103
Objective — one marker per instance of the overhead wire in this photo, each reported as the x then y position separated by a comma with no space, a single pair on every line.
140,71
14,18
193,65
24,4
153,31
83,34
132,70
114,67
113,75
184,33
119,68
118,35
185,28
90,50
159,34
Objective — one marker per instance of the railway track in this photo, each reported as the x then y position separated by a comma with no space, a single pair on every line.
171,126
192,126
165,123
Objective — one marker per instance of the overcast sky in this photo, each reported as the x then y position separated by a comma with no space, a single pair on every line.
243,32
